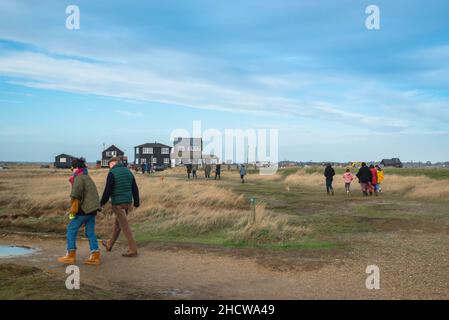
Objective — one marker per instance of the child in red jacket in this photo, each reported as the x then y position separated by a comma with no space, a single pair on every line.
373,186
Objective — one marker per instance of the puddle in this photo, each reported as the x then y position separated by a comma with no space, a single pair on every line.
12,251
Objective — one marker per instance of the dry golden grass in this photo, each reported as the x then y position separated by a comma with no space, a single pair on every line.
170,204
412,187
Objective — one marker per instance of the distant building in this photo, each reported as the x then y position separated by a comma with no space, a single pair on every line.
112,152
394,162
63,161
156,153
187,150
210,159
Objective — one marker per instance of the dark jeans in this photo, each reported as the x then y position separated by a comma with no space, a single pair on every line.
329,187
89,227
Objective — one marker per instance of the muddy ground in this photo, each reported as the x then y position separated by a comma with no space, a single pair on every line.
183,271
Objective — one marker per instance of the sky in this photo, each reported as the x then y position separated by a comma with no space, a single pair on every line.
137,70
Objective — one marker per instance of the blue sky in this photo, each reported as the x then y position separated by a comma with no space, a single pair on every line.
137,70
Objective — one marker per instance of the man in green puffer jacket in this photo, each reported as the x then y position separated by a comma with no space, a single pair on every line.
121,188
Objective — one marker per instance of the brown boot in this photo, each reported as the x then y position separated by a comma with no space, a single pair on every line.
130,254
94,259
107,245
69,258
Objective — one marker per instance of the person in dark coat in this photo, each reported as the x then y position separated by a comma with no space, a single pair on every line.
329,173
189,170
365,178
218,171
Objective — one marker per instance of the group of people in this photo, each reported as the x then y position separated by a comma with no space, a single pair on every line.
370,179
121,188
146,167
192,169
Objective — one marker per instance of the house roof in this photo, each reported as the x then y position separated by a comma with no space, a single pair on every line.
392,161
152,145
112,148
65,155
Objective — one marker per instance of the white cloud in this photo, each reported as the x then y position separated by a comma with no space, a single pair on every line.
128,113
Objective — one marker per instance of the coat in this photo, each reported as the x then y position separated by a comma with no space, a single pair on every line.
380,176
364,175
373,175
85,191
348,177
329,173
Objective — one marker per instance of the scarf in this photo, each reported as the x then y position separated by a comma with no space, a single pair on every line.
78,172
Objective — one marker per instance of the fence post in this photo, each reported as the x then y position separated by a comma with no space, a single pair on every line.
253,206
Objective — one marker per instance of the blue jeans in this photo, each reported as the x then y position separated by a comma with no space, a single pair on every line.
329,185
89,226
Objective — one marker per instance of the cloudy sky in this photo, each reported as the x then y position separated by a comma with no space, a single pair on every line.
134,72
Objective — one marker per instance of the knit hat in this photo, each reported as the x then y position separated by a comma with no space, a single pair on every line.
79,163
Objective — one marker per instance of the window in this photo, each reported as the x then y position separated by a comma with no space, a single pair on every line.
196,148
147,150
143,161
104,163
63,160
181,148
111,154
154,160
137,150
166,160
137,161
165,150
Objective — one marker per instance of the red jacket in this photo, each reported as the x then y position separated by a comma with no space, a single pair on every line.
374,175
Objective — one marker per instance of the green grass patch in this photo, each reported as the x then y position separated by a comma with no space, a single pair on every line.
222,239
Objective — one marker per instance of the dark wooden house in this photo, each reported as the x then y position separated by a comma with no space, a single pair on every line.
111,152
157,154
394,162
63,161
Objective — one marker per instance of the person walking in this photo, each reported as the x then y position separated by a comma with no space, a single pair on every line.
218,171
121,188
189,170
194,170
144,166
373,180
380,178
365,176
242,173
84,205
207,170
329,173
347,178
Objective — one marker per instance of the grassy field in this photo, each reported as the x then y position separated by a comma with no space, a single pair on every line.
292,210
30,283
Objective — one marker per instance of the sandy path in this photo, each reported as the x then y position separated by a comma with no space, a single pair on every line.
183,273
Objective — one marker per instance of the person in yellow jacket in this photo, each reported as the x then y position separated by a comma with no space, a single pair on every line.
380,178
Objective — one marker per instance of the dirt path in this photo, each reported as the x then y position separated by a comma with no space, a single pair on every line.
164,272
